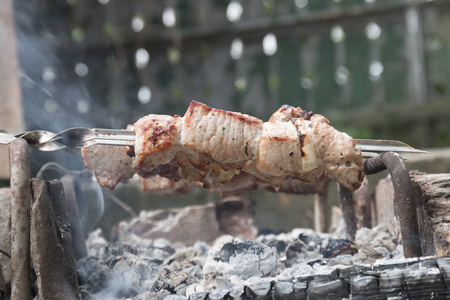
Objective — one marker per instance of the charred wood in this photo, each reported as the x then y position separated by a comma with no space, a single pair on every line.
52,254
5,235
364,202
348,210
433,193
20,219
78,234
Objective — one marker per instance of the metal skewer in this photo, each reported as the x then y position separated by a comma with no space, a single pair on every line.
85,137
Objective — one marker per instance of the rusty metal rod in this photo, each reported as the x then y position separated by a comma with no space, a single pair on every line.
348,211
321,210
364,205
404,200
20,219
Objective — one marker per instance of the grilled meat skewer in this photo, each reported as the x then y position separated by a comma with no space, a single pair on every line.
212,145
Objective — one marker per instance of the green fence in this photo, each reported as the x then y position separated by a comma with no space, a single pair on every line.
375,68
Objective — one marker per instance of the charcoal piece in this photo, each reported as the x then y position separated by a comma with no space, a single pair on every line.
159,295
52,254
300,290
218,295
187,255
322,287
317,261
92,274
175,297
305,238
199,296
250,294
345,260
237,292
294,249
129,277
175,282
283,290
258,288
234,256
279,245
119,249
354,270
362,284
424,277
339,247
392,282
444,267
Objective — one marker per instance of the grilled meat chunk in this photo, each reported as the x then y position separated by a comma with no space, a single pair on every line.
157,141
279,149
335,152
221,136
109,164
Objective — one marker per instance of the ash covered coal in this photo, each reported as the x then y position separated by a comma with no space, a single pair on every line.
287,265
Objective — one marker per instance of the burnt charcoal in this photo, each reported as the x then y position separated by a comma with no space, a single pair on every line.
444,267
92,274
283,290
230,250
339,247
218,295
300,290
199,296
117,276
258,288
305,238
424,277
278,244
233,268
323,288
52,255
392,282
185,256
295,248
233,256
118,249
175,297
363,284
174,283
237,292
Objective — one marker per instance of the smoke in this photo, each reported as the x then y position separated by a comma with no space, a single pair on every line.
126,280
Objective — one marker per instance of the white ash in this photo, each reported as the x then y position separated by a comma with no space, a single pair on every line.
159,269
234,256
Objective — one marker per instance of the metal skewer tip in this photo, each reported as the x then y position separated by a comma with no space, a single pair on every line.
374,146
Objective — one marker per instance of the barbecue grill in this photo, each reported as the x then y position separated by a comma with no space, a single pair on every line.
414,276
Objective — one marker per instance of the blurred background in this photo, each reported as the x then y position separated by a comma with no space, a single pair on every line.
374,68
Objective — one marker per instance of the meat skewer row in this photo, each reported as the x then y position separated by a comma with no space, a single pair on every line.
210,146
